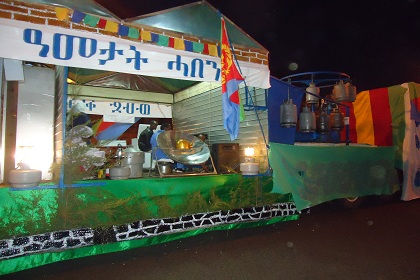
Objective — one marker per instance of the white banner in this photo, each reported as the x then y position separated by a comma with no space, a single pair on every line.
119,119
122,109
67,47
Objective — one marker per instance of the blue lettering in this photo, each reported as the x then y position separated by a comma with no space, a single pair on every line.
137,58
34,37
130,108
214,64
83,47
200,63
57,46
117,106
111,53
68,42
90,105
177,63
144,109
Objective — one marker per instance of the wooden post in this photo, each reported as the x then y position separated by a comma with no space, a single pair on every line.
10,128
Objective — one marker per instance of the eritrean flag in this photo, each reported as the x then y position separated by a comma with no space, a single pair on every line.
233,111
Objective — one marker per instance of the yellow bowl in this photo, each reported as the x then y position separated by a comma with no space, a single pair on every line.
183,144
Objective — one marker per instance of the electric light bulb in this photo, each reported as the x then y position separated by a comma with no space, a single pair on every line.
249,152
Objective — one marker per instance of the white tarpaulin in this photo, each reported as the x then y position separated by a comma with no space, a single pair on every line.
411,150
59,46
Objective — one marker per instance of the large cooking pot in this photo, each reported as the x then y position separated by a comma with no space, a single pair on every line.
134,159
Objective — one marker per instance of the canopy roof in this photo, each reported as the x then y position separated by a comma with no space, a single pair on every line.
198,19
98,78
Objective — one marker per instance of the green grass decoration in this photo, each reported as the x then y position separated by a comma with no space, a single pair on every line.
93,207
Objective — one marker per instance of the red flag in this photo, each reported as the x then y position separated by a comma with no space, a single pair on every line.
233,111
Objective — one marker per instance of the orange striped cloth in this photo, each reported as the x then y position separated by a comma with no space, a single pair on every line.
376,117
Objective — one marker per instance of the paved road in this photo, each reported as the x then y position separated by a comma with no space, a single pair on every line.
377,242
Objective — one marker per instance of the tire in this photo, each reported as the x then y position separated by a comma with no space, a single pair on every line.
348,202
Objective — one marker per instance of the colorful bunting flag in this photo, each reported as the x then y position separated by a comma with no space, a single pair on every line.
90,20
102,23
171,42
62,13
231,77
155,37
111,26
146,35
163,41
213,50
198,47
179,44
206,49
122,30
77,16
188,45
133,33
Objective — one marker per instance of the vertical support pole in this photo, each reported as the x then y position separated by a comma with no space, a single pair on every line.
348,126
10,127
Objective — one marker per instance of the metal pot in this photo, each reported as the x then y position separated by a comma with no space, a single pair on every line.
165,167
134,159
119,172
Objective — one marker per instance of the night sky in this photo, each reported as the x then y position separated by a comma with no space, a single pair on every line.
376,42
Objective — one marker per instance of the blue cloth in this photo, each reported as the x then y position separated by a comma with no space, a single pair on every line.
157,152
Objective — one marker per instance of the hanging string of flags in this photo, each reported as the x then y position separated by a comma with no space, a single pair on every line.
137,34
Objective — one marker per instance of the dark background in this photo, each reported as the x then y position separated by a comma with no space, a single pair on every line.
377,43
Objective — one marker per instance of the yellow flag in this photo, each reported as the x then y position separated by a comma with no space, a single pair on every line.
146,35
111,26
179,44
62,13
213,50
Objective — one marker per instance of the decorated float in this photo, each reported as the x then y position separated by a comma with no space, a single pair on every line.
56,57
59,203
